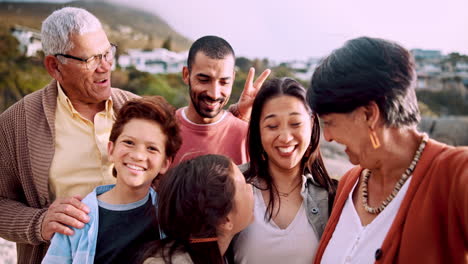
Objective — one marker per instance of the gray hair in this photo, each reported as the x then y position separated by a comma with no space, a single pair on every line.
57,28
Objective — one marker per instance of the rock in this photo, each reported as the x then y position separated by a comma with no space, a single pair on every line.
452,130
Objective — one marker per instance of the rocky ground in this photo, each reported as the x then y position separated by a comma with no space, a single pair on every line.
335,161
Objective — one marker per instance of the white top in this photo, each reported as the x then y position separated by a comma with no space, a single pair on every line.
353,243
265,242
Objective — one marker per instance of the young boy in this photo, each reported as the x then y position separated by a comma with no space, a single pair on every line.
143,141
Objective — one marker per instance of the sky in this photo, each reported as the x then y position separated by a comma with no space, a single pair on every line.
300,29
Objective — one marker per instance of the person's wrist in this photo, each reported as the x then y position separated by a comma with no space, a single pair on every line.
234,109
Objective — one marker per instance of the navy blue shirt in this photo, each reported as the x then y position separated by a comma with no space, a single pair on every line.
123,229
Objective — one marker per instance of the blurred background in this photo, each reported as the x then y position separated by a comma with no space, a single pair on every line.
289,37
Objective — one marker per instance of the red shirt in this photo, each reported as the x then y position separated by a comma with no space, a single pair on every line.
225,137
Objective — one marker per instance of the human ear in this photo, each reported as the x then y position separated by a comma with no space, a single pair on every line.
165,166
372,114
186,75
52,66
227,225
110,150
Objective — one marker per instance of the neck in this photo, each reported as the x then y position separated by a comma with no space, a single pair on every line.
223,242
193,116
285,179
396,155
124,195
88,110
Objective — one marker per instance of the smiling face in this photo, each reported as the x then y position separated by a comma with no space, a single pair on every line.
285,129
210,83
79,83
349,130
138,153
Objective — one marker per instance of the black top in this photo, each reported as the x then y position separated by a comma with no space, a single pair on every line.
122,233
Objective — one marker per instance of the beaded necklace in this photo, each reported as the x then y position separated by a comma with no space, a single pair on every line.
398,185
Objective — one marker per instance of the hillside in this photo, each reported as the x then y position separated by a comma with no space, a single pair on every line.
127,27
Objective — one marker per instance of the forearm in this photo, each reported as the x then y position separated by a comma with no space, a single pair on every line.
20,223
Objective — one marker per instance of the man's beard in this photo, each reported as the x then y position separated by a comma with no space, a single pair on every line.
206,113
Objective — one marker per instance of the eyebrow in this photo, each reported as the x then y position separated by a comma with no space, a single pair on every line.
135,138
203,75
209,77
97,54
274,115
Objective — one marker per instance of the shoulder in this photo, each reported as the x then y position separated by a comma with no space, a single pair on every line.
234,120
123,93
19,107
349,179
351,174
120,96
234,124
451,160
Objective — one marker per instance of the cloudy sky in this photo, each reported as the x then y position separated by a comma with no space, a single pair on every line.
298,29
295,29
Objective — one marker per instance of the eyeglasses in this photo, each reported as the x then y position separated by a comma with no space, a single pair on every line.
93,62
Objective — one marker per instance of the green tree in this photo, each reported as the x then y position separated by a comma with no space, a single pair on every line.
243,63
19,75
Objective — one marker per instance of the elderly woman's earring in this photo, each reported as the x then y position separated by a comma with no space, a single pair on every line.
374,139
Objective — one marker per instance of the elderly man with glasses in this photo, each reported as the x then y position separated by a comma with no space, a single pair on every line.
53,142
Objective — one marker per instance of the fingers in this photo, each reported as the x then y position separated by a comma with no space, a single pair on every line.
51,227
73,208
78,204
258,83
250,87
63,214
250,76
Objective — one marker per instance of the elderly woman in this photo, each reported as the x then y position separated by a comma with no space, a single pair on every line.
407,200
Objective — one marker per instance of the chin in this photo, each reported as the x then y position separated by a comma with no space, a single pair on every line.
353,161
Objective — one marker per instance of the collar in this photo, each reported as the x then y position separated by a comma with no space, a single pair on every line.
66,102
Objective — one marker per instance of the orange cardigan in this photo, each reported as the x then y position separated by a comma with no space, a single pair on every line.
431,225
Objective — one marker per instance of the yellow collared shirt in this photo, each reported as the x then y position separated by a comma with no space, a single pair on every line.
80,161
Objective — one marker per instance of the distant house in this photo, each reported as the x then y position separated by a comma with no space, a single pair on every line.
303,70
29,40
461,66
154,61
421,54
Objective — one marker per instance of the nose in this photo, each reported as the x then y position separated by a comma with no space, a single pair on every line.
138,154
214,91
104,65
285,135
327,135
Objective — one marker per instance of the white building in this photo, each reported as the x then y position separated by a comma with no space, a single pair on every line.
29,40
154,61
303,69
